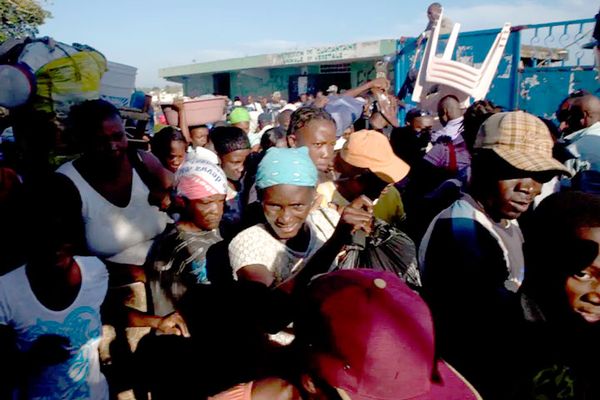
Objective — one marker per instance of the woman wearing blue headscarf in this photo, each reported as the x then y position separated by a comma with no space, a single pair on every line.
272,252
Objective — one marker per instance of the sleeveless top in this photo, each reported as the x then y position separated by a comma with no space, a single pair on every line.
118,234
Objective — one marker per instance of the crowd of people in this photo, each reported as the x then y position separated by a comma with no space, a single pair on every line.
315,249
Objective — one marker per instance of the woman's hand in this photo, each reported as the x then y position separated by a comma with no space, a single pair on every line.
358,215
173,324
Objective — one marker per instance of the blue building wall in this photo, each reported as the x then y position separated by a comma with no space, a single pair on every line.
534,84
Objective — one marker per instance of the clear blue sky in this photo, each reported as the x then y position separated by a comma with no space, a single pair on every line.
152,34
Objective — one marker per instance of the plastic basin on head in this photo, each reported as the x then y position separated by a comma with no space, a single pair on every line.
171,115
198,111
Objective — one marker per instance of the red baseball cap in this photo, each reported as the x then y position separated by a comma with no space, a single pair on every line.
371,336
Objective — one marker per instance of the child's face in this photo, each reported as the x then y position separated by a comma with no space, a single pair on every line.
319,137
206,213
233,164
176,156
583,288
199,136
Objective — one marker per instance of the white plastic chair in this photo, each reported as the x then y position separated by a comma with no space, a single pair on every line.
461,79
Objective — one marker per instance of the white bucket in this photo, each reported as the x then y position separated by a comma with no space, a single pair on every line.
118,83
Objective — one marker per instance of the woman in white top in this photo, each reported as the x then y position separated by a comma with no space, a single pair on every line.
274,252
107,188
50,324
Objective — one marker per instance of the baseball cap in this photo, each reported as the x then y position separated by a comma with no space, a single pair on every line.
332,89
239,114
521,139
372,150
370,335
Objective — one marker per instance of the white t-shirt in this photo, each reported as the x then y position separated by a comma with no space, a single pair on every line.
585,145
119,234
79,377
256,246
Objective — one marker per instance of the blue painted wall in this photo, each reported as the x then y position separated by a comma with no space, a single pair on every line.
538,85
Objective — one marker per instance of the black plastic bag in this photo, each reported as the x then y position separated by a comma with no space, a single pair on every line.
385,249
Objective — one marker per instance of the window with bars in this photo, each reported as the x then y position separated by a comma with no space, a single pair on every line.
334,68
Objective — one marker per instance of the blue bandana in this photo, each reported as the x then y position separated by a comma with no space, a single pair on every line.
282,166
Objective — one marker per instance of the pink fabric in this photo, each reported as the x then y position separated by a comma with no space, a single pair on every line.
195,187
239,392
198,178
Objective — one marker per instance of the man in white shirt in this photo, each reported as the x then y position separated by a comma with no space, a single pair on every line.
584,142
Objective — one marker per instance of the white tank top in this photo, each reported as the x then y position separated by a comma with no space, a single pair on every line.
118,234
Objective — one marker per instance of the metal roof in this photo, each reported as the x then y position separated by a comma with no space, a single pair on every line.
315,55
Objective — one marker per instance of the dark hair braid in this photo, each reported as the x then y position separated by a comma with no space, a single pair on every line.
304,115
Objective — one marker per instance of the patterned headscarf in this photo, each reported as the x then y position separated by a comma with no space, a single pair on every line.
283,166
198,178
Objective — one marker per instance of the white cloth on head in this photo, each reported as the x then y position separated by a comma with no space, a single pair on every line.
202,153
197,178
78,377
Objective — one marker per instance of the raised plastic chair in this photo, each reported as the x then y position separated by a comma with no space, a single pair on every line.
455,77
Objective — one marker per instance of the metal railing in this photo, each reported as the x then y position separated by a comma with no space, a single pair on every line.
554,50
558,43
